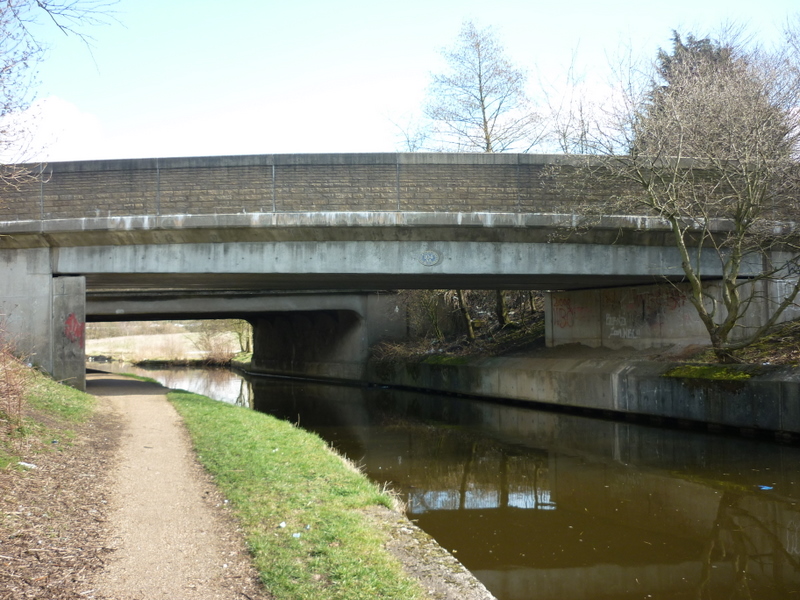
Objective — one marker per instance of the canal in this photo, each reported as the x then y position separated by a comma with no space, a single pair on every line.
543,505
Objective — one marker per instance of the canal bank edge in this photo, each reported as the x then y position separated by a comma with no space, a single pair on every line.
747,398
751,398
424,559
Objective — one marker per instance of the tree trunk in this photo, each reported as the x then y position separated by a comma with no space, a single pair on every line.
464,308
726,356
501,309
431,305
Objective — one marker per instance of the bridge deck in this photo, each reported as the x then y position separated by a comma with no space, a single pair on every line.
345,250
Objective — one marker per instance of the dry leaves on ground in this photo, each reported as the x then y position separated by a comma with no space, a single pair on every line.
52,519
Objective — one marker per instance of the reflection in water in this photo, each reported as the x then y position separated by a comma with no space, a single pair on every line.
218,383
541,505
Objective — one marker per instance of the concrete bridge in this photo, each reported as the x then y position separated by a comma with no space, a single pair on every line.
250,236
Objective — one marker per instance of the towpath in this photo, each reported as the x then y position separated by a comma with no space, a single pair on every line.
170,533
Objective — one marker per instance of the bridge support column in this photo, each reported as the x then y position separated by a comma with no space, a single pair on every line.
69,331
42,317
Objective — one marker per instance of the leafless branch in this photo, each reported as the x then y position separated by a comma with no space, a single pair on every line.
20,51
710,136
479,104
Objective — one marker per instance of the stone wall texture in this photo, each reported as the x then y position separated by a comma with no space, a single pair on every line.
513,183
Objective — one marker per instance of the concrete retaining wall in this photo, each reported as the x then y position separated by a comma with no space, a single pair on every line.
769,401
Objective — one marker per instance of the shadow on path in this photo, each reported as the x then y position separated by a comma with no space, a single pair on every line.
105,384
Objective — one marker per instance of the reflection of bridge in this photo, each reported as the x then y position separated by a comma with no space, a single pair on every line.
220,236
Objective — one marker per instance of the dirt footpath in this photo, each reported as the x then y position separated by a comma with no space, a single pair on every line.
170,533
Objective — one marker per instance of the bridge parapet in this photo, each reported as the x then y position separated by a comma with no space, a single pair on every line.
498,183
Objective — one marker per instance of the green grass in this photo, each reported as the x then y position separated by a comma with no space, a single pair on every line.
59,401
8,454
243,358
273,473
52,408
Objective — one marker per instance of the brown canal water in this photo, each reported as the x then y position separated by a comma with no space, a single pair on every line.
543,506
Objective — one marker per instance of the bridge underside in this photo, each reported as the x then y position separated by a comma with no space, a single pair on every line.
172,284
146,306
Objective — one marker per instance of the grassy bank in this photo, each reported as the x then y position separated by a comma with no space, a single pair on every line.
36,414
298,503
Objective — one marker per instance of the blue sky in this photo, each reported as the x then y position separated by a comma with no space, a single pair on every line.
181,78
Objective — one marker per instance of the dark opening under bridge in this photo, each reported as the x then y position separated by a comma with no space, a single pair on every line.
222,236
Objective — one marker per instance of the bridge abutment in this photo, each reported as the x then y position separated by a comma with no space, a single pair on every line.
43,317
650,317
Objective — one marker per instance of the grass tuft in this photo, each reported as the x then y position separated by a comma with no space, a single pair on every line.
43,411
60,401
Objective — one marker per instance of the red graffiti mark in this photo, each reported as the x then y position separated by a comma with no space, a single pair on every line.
675,299
75,330
656,303
563,312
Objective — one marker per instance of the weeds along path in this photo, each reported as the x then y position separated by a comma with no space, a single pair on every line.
170,534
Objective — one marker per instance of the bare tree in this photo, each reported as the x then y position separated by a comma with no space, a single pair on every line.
480,103
711,137
570,112
244,333
20,51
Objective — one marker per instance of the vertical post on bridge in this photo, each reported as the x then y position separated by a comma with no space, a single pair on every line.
69,331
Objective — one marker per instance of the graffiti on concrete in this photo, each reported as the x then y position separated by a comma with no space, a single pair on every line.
640,310
619,328
563,313
626,314
75,330
658,302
